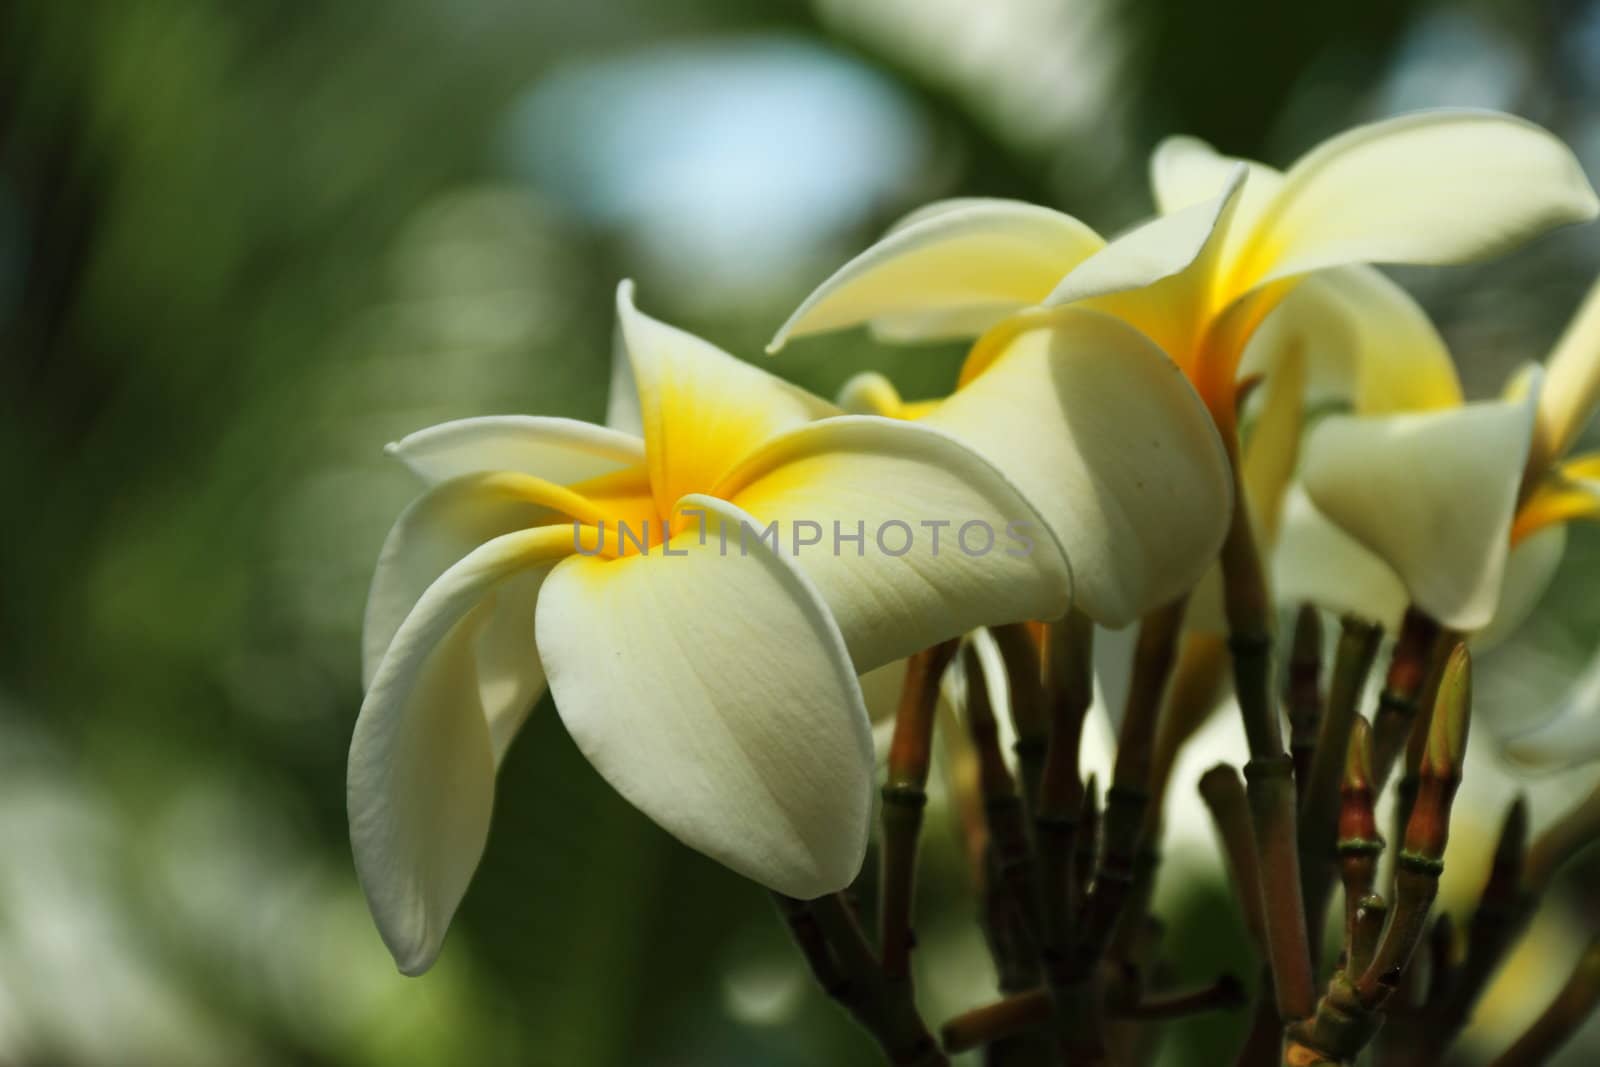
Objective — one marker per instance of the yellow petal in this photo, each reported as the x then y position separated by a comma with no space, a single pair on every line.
1369,347
1108,440
1434,187
703,410
1557,499
1273,449
946,543
713,691
1431,493
1572,383
1161,276
961,264
421,770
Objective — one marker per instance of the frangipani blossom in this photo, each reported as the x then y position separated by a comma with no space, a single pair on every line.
1090,419
711,679
1470,473
1432,493
1104,436
1235,239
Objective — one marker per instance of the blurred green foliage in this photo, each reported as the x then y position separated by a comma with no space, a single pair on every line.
243,244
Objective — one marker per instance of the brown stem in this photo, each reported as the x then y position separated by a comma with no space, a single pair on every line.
884,1006
1058,826
1402,690
1269,775
1503,911
1005,1018
1225,994
1153,659
1030,1010
831,940
1320,797
1224,798
1303,693
1359,845
1269,787
1024,662
1367,920
904,796
1427,832
1002,807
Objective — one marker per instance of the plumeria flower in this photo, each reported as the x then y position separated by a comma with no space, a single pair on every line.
1346,341
1432,493
709,676
1468,502
1234,239
1102,432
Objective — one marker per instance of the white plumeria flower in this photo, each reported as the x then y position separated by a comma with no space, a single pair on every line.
715,688
1455,497
1432,493
1103,434
1234,239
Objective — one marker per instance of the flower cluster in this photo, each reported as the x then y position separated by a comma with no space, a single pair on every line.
1108,443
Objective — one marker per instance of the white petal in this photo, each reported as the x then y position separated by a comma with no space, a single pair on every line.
1447,186
437,529
1570,736
1317,563
1105,436
703,410
558,450
1186,170
954,259
870,393
1113,670
713,692
421,771
1158,249
622,396
1432,494
888,480
1572,381
510,676
940,324
1368,346
1160,277
1530,569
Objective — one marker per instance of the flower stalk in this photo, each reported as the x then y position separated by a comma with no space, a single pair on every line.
1303,693
1335,751
1351,1011
1359,844
904,797
1409,664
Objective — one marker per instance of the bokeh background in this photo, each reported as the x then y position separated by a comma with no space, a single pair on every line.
244,244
